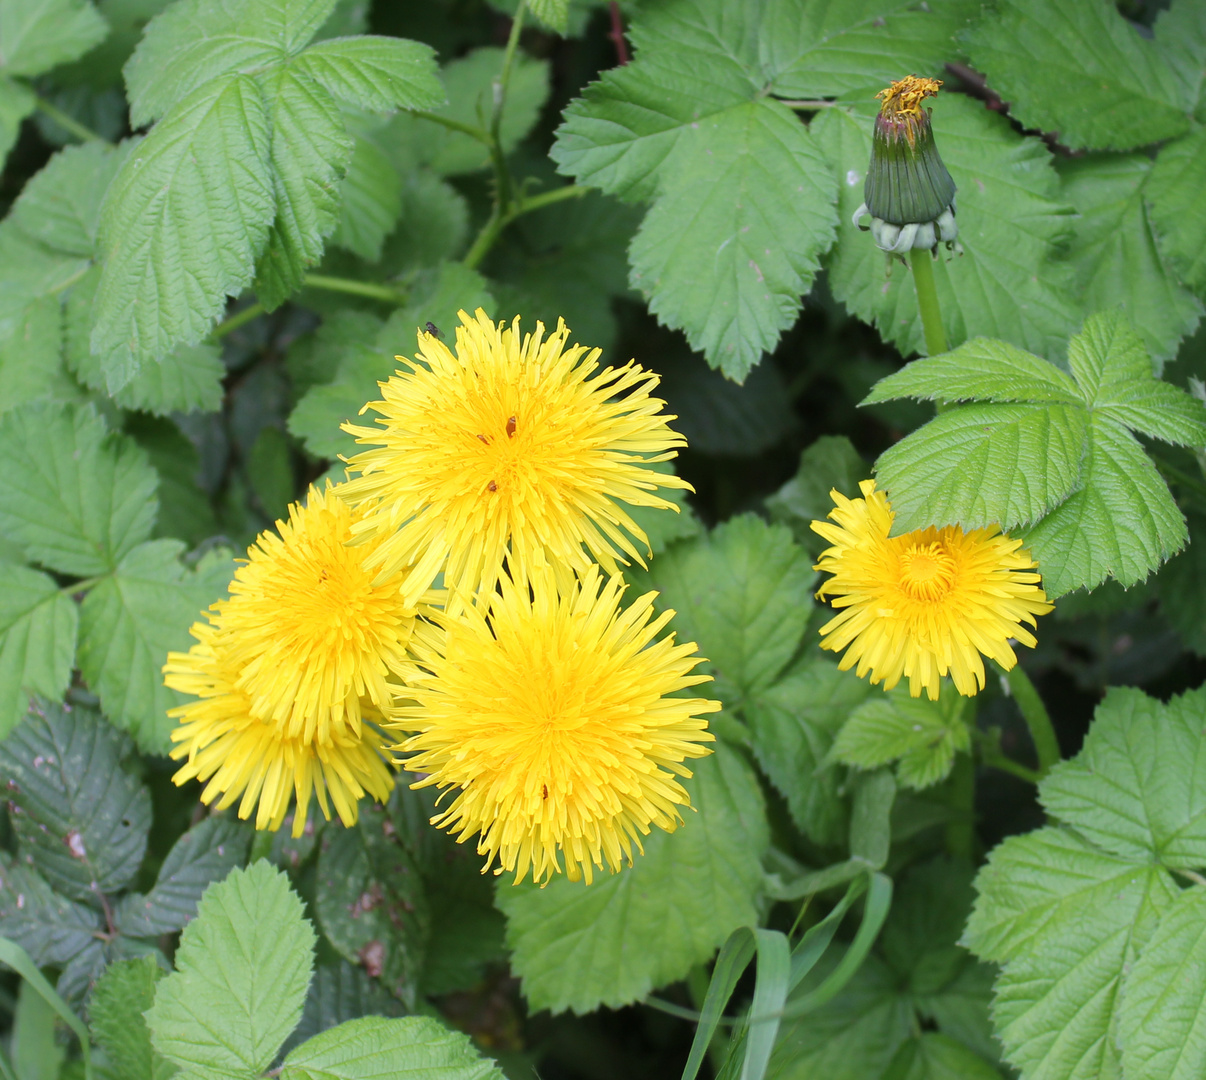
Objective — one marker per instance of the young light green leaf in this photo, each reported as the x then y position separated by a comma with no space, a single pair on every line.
1079,69
1177,214
83,818
375,73
553,13
38,625
1011,281
578,947
122,995
37,35
743,594
1164,995
370,201
131,621
1115,254
792,725
373,1046
242,969
75,497
923,735
203,855
52,929
180,229
16,103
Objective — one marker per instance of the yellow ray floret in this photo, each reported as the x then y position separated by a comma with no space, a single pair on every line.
549,717
286,669
510,449
925,604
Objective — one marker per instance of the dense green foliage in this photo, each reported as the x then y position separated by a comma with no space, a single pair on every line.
221,221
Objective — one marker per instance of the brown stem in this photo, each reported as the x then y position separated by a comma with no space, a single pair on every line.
617,34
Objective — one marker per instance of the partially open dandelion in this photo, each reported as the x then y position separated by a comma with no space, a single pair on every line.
548,714
925,604
293,674
511,449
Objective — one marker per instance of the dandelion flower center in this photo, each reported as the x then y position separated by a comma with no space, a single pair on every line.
927,571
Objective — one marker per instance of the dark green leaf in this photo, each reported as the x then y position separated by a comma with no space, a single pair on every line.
370,201
38,624
1177,214
830,462
122,995
52,929
338,994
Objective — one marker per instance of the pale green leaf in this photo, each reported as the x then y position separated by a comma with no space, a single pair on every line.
578,947
31,364
1163,1007
181,228
83,818
16,103
37,35
1010,282
1180,35
314,359
194,42
553,13
743,593
792,725
1115,253
1138,786
370,201
981,465
242,969
60,206
38,625
1173,192
132,619
122,995
374,1048
375,73
813,48
1080,70
74,496
310,151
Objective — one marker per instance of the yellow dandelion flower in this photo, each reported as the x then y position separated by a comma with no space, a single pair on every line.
550,713
287,671
925,604
511,449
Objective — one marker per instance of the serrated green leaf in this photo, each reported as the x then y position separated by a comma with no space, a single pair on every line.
376,1047
60,206
203,855
432,225
185,511
931,1056
1011,281
129,623
115,1011
792,725
1181,587
981,465
310,151
195,42
815,49
1079,69
577,947
1177,214
31,360
74,496
375,73
743,594
37,35
337,994
179,228
553,13
1164,995
1180,35
370,201
1115,251
82,818
38,625
52,929
242,969
830,462
1138,786
923,735
371,903
16,103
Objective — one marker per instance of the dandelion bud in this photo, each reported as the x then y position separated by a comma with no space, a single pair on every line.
908,194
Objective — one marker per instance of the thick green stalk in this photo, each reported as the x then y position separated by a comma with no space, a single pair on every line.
239,318
68,123
927,301
368,289
1034,712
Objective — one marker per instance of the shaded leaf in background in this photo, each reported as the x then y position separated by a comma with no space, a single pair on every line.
337,994
37,35
578,947
122,995
370,200
51,928
830,462
1176,211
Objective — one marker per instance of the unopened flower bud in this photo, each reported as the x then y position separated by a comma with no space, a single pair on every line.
908,194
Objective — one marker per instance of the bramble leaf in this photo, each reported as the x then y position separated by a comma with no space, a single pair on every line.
37,35
1177,214
577,947
375,73
52,929
370,201
16,103
553,13
38,624
337,994
122,995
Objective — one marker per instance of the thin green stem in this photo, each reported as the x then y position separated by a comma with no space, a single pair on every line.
1038,720
808,105
484,241
82,586
502,176
1008,765
474,132
239,318
368,289
927,301
499,220
68,123
1191,875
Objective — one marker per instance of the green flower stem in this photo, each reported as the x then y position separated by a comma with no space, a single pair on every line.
368,289
927,301
239,318
480,134
991,755
499,220
68,123
1034,712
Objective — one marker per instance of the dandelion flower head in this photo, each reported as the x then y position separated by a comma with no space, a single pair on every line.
511,448
924,604
294,673
548,714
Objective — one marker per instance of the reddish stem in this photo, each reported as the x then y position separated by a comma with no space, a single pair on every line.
617,33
